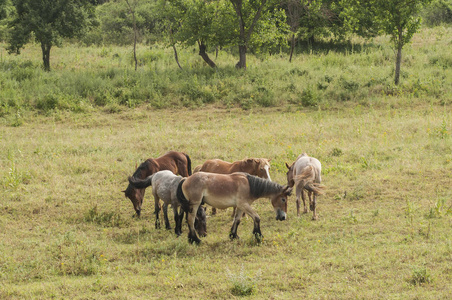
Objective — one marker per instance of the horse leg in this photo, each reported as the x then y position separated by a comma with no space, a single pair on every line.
299,194
313,207
257,220
235,224
157,211
192,236
165,216
303,197
178,220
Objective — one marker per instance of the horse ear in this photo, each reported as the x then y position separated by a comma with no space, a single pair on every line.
269,159
288,167
287,190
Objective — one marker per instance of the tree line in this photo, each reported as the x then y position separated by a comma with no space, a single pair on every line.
246,25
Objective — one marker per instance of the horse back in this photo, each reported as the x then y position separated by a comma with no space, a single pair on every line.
217,190
305,161
176,162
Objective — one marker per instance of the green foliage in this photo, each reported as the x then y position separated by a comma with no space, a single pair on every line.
438,12
48,22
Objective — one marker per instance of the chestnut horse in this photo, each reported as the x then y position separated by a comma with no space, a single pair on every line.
238,190
164,187
304,173
254,166
176,162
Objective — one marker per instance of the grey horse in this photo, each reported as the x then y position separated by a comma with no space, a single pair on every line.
304,173
164,187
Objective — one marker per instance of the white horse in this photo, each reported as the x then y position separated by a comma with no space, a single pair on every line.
304,173
164,187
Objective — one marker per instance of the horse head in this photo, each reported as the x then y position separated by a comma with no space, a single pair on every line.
279,202
289,174
263,167
136,196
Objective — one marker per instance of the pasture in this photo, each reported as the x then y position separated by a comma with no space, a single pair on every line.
384,225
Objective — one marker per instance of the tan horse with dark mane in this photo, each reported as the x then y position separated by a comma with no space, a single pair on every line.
238,190
176,162
304,173
254,166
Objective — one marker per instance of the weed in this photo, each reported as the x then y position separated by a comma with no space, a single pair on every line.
438,209
243,284
113,219
420,276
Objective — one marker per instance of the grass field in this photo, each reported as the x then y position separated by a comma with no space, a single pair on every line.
384,228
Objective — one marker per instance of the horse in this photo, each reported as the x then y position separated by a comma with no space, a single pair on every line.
176,162
164,187
253,166
238,190
304,173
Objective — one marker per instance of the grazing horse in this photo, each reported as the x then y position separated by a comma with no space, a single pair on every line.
254,166
164,187
238,190
304,173
176,162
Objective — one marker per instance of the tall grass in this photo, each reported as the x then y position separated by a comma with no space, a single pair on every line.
84,78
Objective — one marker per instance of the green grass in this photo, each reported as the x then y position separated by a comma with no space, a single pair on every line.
384,227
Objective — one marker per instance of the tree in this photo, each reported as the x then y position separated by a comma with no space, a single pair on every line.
248,13
135,31
400,20
49,21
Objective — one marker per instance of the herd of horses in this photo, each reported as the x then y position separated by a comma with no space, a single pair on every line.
221,185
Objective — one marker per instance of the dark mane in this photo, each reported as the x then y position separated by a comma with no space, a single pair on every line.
262,187
143,166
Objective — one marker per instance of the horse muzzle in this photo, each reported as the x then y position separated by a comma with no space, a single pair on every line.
280,215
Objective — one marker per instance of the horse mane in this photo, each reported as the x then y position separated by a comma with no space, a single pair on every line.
262,187
184,203
141,167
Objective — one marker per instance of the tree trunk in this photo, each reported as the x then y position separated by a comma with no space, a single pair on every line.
176,56
242,54
203,54
46,56
135,34
398,57
292,46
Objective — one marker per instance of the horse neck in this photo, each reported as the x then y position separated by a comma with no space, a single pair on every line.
243,166
262,188
145,169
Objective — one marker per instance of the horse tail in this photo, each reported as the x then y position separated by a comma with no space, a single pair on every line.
184,203
306,180
188,164
141,183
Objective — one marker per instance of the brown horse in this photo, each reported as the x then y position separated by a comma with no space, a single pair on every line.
176,162
304,173
254,166
238,190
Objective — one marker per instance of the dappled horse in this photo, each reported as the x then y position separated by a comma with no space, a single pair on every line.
254,166
164,187
238,190
304,174
176,162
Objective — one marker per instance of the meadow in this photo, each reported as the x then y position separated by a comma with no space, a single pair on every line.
384,227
